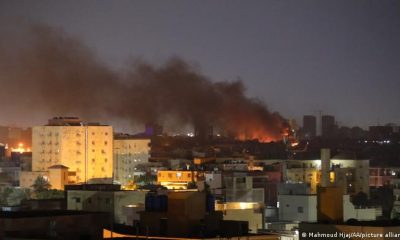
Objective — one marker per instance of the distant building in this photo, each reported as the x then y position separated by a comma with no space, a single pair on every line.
379,177
176,179
239,188
329,204
14,136
104,198
309,126
2,151
9,173
380,132
153,129
203,132
52,224
188,213
129,153
85,148
328,126
350,174
395,182
298,207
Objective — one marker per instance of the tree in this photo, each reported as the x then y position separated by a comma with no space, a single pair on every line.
50,194
360,199
4,195
13,196
17,195
40,184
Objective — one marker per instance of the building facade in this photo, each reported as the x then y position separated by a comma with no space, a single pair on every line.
85,149
129,153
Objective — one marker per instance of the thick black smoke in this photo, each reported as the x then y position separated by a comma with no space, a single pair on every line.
42,69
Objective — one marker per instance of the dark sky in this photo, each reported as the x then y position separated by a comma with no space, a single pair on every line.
341,57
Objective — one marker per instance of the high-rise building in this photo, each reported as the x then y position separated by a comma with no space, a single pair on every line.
328,125
380,132
309,126
153,129
203,132
86,149
129,153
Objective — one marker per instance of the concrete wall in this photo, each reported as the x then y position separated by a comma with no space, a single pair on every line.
298,208
68,226
26,179
105,201
253,217
362,214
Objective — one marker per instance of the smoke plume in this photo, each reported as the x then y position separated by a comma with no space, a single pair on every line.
43,69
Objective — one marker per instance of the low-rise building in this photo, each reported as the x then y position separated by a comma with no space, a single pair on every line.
52,224
176,179
104,198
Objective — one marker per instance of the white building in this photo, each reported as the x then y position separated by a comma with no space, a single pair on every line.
302,208
129,153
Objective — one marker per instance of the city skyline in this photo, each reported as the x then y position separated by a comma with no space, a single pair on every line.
297,57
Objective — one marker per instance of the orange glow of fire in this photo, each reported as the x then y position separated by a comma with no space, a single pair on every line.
261,135
20,149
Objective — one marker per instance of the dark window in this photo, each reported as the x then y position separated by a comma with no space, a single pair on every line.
300,210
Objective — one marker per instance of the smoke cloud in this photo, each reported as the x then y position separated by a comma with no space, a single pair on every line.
43,69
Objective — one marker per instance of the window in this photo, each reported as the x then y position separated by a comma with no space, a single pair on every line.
300,210
241,180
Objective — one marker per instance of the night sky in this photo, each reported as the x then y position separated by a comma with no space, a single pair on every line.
341,57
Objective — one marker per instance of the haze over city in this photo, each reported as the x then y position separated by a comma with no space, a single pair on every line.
273,120
297,57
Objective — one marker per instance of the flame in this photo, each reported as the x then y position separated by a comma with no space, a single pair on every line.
20,149
261,135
